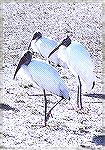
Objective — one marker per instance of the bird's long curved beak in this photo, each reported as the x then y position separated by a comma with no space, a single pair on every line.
55,49
66,42
24,60
21,62
29,45
18,67
35,40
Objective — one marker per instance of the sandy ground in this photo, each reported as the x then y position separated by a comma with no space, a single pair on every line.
68,127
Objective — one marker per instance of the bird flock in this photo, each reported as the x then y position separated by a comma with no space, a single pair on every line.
71,55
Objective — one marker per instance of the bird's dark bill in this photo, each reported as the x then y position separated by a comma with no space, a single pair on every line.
66,42
26,59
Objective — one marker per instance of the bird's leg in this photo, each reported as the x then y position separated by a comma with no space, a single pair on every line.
48,114
39,95
78,97
81,95
80,91
45,107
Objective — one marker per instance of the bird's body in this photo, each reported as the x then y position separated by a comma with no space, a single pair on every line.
46,77
77,59
43,75
73,56
44,45
79,62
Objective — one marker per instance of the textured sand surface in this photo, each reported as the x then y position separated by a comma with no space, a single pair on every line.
68,127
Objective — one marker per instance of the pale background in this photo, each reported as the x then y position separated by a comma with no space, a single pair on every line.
57,35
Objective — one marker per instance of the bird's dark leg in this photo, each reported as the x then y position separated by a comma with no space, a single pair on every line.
45,107
80,91
48,114
81,95
78,97
39,95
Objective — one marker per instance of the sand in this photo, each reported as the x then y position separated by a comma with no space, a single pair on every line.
68,127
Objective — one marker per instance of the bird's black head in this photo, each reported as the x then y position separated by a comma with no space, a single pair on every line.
37,36
26,59
27,56
66,42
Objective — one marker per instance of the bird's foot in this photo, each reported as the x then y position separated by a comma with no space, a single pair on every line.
82,110
48,115
47,118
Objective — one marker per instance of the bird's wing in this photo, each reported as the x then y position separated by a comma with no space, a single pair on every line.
46,77
80,62
47,45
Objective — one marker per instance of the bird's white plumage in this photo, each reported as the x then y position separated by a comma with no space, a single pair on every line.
45,76
75,57
44,46
78,61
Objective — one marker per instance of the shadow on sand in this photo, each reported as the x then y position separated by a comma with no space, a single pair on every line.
7,107
99,140
101,96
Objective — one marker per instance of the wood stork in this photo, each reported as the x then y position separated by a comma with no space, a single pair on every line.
77,58
45,76
44,45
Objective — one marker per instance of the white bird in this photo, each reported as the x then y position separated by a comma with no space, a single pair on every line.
78,60
44,45
45,76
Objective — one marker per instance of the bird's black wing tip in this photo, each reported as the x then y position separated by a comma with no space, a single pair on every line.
14,75
93,85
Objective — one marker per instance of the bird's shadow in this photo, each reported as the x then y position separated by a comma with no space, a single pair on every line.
7,107
99,140
94,95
